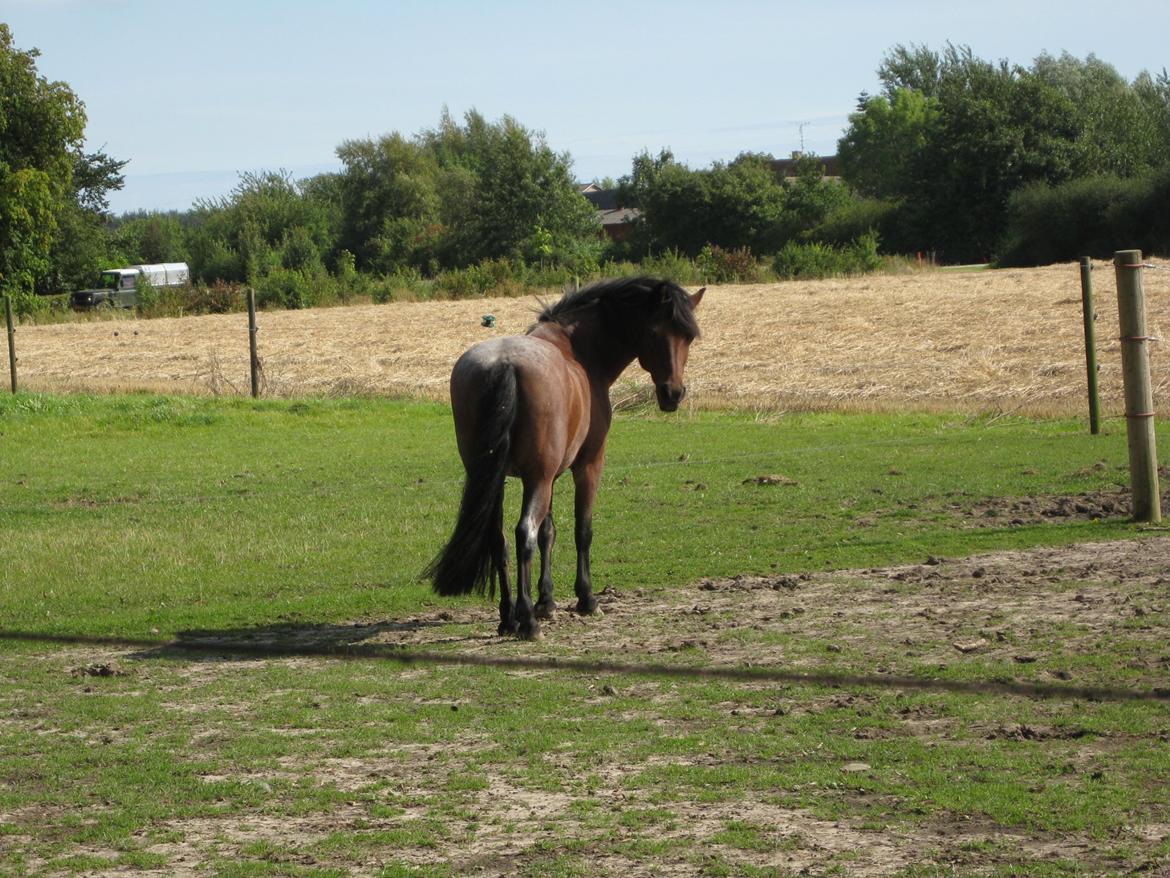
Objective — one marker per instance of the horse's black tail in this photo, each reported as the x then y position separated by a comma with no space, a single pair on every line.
466,563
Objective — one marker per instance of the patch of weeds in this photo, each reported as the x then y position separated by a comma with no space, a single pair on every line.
460,781
641,818
410,834
593,814
385,811
743,836
79,863
142,860
717,867
403,870
656,849
563,866
264,869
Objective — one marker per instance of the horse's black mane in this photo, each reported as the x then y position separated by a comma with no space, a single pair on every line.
628,300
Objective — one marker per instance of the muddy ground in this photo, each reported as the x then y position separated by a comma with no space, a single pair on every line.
1027,610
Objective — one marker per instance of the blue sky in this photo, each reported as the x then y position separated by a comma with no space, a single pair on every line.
194,93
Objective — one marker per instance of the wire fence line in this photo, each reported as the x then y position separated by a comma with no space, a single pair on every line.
188,647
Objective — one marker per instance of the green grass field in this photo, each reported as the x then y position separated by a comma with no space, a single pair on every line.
147,517
126,514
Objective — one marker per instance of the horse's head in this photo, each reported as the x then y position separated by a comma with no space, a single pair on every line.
666,343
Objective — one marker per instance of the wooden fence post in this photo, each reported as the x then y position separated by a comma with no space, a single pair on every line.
11,341
1139,398
1090,316
253,358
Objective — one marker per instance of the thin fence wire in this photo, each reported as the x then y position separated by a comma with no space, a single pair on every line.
220,647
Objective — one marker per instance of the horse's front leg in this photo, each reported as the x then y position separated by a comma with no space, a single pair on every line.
586,478
545,538
534,511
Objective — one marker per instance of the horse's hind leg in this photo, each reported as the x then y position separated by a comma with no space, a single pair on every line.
545,538
500,562
537,500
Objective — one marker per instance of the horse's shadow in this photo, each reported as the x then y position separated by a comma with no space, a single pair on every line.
290,639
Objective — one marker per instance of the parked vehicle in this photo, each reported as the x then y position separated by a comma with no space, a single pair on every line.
118,286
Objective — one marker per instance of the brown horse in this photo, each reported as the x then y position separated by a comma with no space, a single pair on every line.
536,405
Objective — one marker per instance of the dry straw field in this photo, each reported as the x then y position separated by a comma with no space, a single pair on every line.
1007,341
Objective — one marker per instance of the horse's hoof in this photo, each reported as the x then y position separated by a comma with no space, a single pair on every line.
587,607
545,609
506,629
531,632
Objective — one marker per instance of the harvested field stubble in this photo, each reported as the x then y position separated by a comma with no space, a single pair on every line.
977,341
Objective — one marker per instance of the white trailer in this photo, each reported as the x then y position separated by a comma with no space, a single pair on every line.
164,274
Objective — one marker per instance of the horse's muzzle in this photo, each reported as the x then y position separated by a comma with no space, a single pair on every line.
669,396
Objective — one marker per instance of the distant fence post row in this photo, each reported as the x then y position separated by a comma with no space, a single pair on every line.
254,357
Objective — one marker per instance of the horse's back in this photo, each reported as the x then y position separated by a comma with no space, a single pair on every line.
552,399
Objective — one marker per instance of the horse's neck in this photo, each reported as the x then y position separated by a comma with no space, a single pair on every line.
587,342
599,351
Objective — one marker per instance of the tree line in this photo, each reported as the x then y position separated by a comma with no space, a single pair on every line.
969,159
956,150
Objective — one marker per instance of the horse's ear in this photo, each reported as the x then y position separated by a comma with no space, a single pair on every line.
697,297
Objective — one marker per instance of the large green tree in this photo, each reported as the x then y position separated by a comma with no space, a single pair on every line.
42,125
1116,132
268,221
458,194
82,245
743,203
999,128
882,145
53,195
952,137
389,190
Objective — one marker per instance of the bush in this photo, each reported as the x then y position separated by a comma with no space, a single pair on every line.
285,288
852,220
404,285
213,259
26,303
671,265
221,297
816,260
723,266
1092,216
298,251
147,294
491,275
1056,223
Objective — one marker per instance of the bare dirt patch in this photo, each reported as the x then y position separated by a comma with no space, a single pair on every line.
1027,610
1039,508
896,618
993,340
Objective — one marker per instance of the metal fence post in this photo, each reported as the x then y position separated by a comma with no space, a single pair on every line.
11,340
1090,317
253,358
